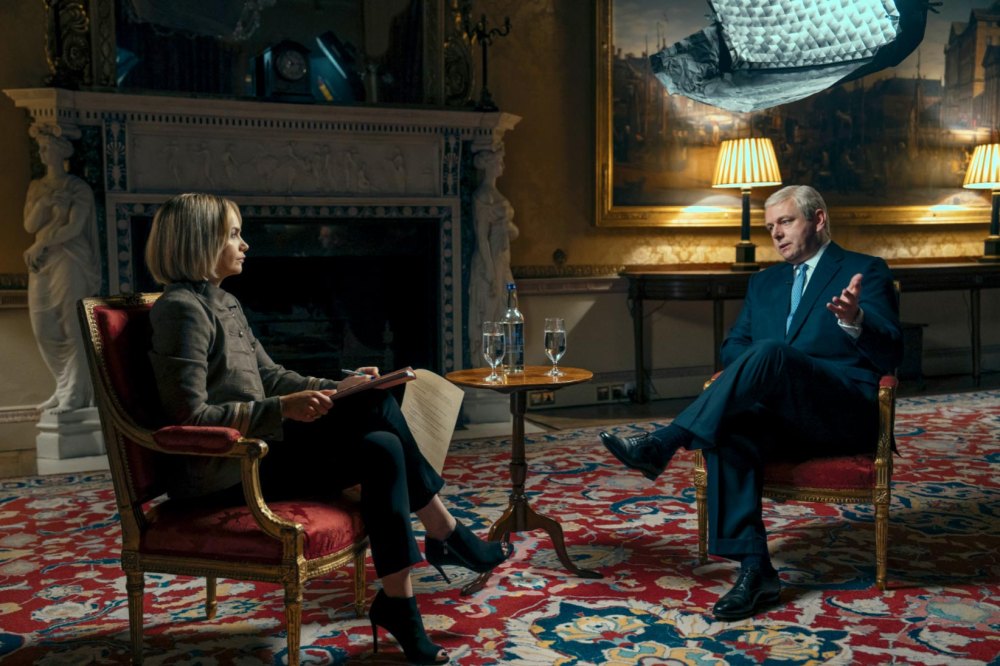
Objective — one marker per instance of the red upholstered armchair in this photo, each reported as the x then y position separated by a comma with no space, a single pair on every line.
853,479
286,542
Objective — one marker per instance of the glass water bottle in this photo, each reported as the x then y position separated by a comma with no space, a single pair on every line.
513,362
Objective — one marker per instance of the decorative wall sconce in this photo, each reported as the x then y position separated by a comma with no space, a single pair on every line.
984,174
745,163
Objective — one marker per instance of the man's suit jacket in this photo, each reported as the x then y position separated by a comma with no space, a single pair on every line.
814,329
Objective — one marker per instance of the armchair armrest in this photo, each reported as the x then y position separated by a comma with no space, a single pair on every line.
228,442
199,440
886,417
708,382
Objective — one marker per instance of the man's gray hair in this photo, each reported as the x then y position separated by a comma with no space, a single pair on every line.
806,199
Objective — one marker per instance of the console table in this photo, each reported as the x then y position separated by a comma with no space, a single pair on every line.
717,283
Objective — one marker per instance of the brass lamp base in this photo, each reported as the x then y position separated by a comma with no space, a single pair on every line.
745,257
991,250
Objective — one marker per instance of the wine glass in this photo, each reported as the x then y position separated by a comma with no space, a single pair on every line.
494,342
555,344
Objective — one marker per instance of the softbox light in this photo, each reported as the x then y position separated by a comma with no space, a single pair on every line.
757,55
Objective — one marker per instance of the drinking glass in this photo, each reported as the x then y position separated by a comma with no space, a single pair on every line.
493,348
555,344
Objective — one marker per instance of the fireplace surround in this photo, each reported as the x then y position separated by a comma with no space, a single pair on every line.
286,164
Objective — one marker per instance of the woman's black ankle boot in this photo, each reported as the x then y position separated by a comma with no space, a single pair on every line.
463,548
401,618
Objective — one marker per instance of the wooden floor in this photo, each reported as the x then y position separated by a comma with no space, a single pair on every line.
566,418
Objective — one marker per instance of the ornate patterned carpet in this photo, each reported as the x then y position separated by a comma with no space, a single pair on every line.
62,594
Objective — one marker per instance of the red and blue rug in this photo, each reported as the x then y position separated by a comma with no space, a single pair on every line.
62,593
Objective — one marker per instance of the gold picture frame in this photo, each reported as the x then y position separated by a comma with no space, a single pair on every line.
653,191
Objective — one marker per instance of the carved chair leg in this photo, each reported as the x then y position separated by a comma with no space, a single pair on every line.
360,582
881,539
701,504
210,605
293,620
701,500
134,584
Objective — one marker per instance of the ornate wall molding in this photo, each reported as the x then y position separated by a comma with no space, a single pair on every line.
14,281
19,414
565,285
13,299
68,43
570,271
13,290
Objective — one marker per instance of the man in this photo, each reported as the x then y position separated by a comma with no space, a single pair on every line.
802,365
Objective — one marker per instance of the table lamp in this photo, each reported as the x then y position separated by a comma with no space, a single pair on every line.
744,163
984,174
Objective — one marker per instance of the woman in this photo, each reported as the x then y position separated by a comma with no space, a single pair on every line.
210,370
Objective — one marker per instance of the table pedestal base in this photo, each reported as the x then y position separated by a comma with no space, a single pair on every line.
519,516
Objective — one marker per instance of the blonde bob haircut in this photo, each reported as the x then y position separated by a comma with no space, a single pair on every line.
189,233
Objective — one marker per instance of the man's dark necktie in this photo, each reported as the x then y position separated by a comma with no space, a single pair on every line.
797,286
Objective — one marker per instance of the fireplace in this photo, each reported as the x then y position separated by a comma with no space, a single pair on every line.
323,294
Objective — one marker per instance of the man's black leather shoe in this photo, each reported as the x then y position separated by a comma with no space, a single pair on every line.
753,590
640,452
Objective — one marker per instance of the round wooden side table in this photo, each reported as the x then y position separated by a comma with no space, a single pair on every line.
519,516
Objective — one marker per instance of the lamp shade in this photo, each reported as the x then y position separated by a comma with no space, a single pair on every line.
984,168
746,163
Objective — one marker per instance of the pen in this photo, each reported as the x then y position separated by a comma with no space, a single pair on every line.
354,373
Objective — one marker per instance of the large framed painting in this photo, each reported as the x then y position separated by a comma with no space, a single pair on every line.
889,148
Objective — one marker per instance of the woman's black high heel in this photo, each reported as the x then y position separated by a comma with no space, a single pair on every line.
463,548
401,618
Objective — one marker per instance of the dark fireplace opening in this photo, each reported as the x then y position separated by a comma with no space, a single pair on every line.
322,295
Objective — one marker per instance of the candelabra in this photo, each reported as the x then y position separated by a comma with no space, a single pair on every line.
484,36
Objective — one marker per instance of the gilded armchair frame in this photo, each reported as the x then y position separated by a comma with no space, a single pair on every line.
121,430
879,494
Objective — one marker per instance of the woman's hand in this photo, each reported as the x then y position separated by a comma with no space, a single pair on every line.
306,405
352,380
368,370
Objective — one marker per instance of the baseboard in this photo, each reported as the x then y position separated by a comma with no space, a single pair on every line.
619,386
72,465
958,360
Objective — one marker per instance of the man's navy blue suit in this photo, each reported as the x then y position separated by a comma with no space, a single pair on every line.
808,393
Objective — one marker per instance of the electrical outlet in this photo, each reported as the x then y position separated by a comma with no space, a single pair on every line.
617,391
540,398
602,393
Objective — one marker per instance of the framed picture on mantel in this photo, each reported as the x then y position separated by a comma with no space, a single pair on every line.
889,148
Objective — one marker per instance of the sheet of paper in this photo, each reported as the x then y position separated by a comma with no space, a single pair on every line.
430,406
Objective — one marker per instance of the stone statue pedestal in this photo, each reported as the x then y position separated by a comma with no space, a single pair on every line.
70,442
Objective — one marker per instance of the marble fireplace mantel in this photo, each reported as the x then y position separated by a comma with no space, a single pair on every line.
279,160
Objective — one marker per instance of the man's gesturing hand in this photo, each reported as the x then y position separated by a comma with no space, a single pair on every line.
846,306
